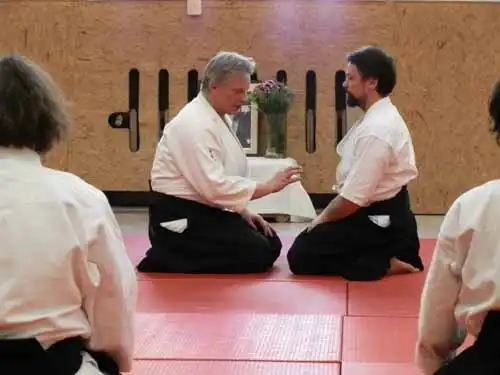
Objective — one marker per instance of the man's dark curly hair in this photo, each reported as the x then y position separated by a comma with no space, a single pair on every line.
495,110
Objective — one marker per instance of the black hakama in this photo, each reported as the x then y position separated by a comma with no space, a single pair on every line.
355,247
28,357
216,241
483,357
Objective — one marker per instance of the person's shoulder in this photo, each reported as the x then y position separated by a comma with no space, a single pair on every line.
480,195
191,121
71,187
388,125
388,119
477,207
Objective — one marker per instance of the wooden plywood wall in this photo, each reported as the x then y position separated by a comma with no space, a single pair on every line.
447,56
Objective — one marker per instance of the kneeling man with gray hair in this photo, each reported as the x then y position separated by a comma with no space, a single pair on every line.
198,219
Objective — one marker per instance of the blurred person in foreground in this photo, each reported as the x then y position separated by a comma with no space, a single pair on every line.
67,286
461,294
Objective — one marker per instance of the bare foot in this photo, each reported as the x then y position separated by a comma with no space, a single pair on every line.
400,267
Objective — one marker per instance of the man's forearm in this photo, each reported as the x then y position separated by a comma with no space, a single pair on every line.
339,208
262,189
438,331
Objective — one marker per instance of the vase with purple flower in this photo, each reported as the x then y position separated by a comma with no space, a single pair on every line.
273,99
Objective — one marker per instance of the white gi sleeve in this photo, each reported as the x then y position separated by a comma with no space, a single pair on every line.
198,155
111,315
437,326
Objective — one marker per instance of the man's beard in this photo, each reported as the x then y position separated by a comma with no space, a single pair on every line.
352,101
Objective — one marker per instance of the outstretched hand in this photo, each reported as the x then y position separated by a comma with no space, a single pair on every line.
285,177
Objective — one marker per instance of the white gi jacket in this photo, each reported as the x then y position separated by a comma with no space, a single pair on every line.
463,281
377,158
64,269
200,158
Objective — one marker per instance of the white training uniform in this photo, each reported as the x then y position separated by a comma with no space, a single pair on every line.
64,270
377,157
199,158
463,281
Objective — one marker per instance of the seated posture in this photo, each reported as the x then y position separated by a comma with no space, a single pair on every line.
198,219
67,287
368,230
462,289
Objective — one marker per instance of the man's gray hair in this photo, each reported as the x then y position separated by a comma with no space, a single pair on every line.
32,108
223,65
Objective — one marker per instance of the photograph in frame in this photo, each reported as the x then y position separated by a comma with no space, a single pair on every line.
246,127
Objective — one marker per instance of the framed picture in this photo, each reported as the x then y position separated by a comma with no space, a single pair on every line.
246,127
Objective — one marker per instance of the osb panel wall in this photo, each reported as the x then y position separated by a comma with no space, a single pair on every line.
24,31
446,52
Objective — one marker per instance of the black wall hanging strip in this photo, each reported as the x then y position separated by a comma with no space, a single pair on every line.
134,89
192,85
310,120
340,105
281,76
163,99
130,119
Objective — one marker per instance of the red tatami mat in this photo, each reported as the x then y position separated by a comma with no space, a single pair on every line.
280,272
379,339
136,245
426,250
388,368
380,369
232,368
277,337
232,295
394,296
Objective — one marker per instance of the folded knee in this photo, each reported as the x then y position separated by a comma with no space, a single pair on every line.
269,253
262,250
297,261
